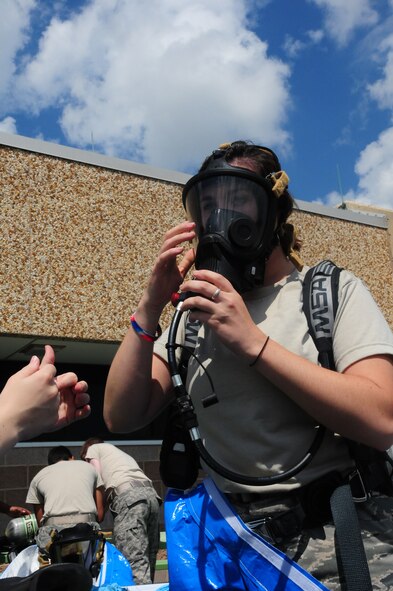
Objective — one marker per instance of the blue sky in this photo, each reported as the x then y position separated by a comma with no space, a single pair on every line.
165,81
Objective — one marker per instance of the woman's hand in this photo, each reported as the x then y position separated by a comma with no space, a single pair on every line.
356,403
167,273
217,304
139,384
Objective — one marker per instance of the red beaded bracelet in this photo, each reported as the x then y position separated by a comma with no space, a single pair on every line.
147,336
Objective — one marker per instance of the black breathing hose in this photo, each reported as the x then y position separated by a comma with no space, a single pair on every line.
186,409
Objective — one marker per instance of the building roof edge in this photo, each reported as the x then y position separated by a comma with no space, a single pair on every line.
92,158
145,170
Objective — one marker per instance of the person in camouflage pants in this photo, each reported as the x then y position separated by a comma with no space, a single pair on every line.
315,548
136,530
134,504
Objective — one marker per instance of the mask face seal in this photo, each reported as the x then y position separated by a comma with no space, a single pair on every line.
234,210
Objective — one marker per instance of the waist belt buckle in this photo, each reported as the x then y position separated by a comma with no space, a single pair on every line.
359,491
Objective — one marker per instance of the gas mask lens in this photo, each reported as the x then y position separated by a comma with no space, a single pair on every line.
79,552
232,208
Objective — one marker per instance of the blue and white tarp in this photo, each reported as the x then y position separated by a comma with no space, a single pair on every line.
210,547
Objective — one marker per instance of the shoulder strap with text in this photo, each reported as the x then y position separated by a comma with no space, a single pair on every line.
320,301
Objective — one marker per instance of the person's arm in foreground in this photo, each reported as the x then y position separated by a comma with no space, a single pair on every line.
138,382
35,401
357,403
13,510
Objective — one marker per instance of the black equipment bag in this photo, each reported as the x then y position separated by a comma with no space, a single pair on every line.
56,577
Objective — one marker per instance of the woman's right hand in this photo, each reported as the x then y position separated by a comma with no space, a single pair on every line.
138,381
168,273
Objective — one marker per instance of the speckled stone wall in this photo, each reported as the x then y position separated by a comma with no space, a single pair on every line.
364,250
77,243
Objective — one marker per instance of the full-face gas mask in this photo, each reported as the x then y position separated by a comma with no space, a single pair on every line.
235,212
80,544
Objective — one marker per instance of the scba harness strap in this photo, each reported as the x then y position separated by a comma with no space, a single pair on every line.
320,302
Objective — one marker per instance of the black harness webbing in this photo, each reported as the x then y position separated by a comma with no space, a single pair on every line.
320,300
351,556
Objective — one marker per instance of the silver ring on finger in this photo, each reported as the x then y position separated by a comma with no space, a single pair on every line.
215,294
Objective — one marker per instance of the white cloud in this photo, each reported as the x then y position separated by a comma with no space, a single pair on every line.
160,81
382,89
8,124
293,47
342,17
374,168
375,164
315,35
14,20
334,198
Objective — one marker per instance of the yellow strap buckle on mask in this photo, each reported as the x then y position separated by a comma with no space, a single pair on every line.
280,181
295,259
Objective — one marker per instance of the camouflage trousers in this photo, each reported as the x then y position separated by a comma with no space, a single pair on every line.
315,549
136,530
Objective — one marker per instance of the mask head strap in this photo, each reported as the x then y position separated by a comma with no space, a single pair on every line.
224,147
279,180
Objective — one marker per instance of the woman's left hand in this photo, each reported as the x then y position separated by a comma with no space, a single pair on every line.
216,303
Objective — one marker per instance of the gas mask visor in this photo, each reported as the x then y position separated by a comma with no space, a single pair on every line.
234,210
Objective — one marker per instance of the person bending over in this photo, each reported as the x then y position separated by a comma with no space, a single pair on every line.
134,504
64,493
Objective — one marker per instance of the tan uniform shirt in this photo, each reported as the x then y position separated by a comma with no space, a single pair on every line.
255,429
65,488
117,467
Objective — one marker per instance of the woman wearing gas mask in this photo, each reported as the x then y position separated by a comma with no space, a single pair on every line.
254,342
